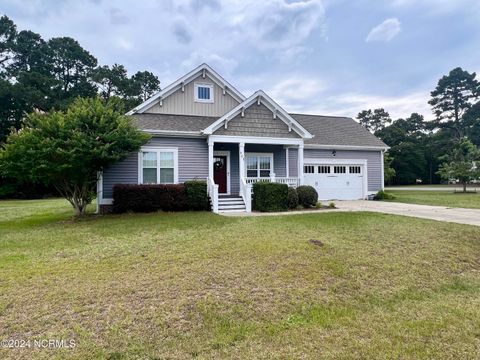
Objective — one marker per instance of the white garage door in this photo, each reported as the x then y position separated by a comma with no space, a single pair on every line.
335,181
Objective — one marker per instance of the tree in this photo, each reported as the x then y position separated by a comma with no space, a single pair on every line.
68,149
461,164
111,81
374,120
388,171
452,97
72,67
145,84
8,32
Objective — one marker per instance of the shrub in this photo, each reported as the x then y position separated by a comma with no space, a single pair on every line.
382,195
147,198
307,195
332,205
270,196
292,198
197,197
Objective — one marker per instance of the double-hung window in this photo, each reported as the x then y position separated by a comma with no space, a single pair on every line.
158,166
259,165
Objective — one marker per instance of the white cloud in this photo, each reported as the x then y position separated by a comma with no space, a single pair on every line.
350,104
385,32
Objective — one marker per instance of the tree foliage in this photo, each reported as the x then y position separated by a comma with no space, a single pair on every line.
41,75
461,164
67,149
454,95
375,120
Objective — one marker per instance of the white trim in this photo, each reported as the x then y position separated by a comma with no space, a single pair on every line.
258,154
174,133
254,140
99,190
158,150
261,97
346,147
227,154
362,162
287,163
187,78
196,85
301,162
383,169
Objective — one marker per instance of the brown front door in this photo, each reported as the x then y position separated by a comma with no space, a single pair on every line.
220,173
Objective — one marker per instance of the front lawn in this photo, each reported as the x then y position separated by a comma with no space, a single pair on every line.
440,198
186,285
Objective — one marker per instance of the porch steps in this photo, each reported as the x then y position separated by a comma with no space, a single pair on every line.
231,204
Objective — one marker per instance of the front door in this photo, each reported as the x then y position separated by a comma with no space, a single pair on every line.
220,173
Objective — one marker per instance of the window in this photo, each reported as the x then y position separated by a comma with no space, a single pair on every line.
355,169
259,165
203,93
158,166
324,169
339,169
309,169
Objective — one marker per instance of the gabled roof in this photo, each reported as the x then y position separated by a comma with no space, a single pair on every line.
203,70
329,131
260,97
333,131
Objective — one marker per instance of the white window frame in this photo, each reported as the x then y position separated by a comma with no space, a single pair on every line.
158,150
195,89
257,154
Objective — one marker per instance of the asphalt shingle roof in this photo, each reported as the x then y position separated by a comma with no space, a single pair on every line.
168,122
335,130
328,130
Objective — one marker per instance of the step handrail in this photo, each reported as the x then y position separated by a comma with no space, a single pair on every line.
212,190
246,194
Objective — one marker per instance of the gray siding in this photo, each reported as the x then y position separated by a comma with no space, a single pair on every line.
279,160
293,162
374,162
183,103
279,156
192,163
257,121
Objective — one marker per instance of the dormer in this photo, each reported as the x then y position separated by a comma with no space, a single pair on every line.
201,92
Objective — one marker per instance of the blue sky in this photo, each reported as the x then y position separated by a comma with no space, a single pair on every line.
332,57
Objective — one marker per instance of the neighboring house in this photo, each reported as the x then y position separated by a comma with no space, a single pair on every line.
204,128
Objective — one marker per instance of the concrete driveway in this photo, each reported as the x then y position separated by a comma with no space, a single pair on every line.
441,213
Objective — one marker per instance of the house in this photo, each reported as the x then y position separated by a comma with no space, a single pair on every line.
204,128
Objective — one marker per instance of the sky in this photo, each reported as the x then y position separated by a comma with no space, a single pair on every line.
329,57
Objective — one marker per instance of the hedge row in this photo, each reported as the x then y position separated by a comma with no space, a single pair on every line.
279,197
192,195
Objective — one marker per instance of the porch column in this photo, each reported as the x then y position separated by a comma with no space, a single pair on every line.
300,164
210,159
241,159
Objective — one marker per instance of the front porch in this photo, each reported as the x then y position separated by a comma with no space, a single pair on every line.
235,164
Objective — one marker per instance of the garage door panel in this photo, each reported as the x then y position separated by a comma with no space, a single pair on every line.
335,181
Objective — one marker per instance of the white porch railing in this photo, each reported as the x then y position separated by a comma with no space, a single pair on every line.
212,189
290,181
246,194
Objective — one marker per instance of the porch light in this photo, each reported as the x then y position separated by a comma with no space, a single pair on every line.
334,152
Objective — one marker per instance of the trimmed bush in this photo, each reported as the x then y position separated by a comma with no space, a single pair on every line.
292,198
197,197
307,196
148,198
382,195
270,196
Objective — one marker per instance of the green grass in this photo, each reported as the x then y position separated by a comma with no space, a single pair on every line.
441,198
197,285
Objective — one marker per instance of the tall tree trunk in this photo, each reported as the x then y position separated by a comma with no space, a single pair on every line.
464,186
